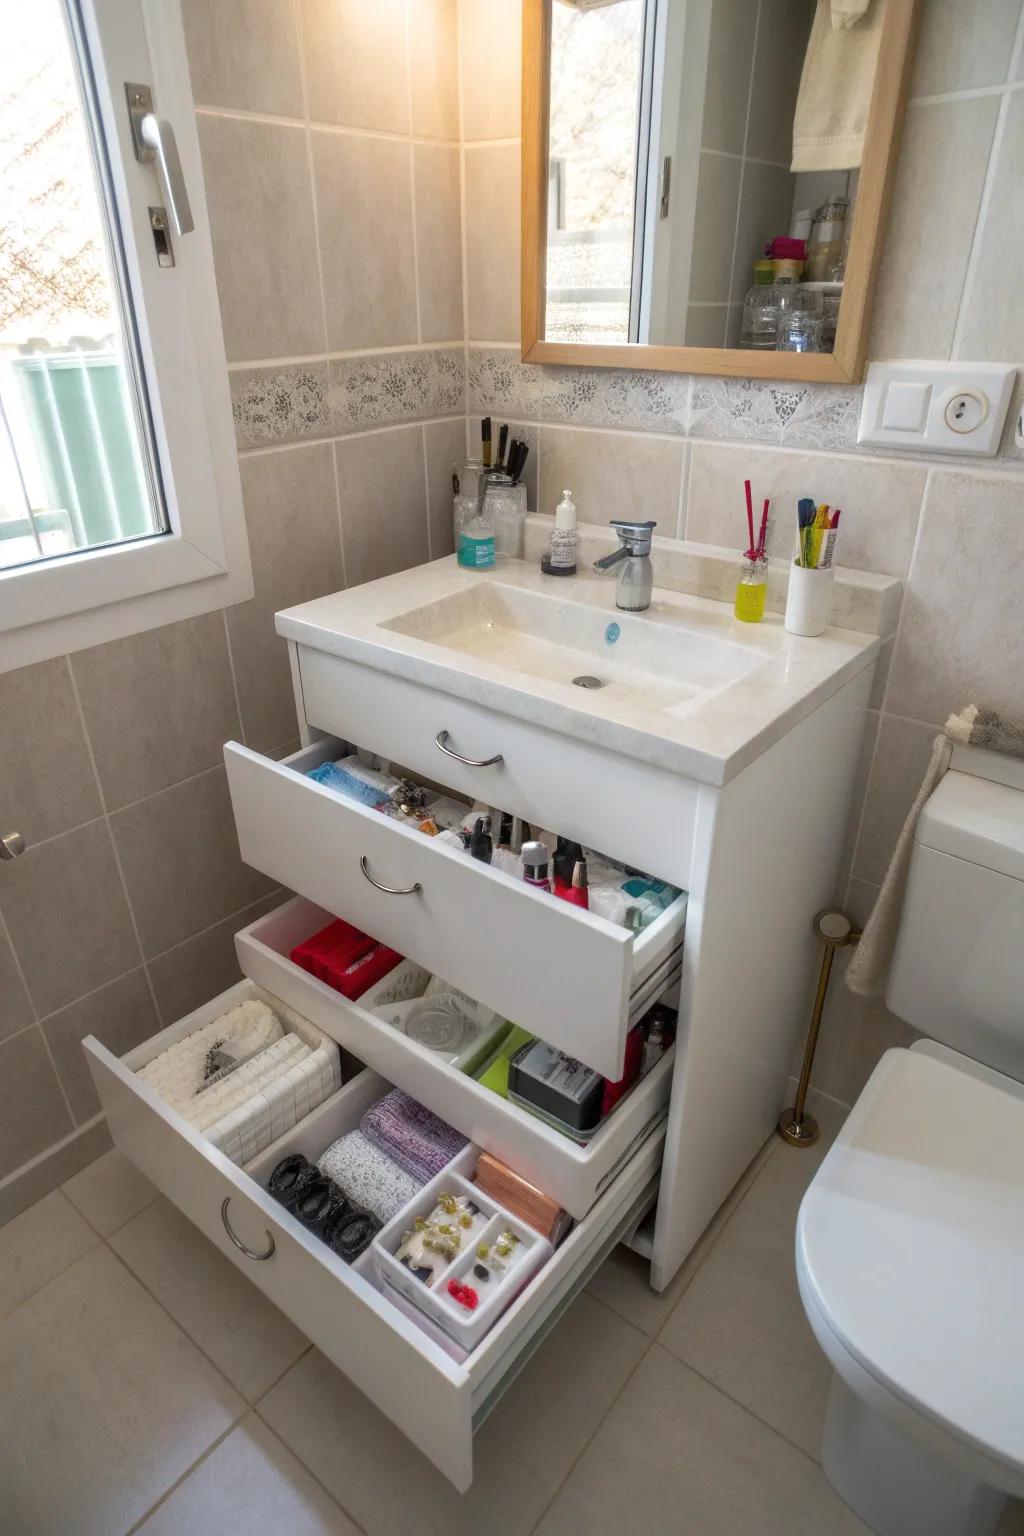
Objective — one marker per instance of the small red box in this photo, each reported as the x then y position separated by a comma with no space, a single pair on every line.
332,949
363,972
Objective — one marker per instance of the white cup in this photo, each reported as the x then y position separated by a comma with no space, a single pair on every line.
809,599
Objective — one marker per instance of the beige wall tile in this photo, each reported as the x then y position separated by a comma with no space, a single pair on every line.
48,782
491,46
718,190
445,443
992,321
438,241
356,63
730,60
140,1404
245,54
249,1469
202,967
109,1192
120,1015
382,487
766,206
492,242
291,514
705,325
855,1032
880,501
962,640
37,1245
158,706
611,475
434,68
179,852
233,1323
783,27
65,911
39,1178
904,748
959,47
15,1008
865,757
364,206
264,242
928,239
32,1109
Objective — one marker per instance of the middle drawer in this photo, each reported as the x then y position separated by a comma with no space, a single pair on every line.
565,975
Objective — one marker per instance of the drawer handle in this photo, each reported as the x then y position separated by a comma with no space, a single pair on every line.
389,890
237,1240
441,741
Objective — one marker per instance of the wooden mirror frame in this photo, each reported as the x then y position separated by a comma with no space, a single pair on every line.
845,364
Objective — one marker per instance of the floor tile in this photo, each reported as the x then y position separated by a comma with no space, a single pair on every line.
37,1245
675,1457
250,1485
624,1280
522,1452
105,1404
110,1192
741,1323
232,1322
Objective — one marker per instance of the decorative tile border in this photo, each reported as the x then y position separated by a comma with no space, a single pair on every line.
388,388
279,405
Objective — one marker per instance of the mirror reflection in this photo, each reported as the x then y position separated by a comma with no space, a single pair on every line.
703,158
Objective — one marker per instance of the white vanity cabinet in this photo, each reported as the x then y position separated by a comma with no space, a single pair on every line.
753,840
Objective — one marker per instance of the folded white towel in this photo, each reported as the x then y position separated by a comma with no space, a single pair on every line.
245,1082
179,1073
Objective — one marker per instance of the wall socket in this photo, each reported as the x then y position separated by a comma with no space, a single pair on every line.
931,407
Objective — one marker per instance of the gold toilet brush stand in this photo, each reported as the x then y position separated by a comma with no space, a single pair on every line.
835,931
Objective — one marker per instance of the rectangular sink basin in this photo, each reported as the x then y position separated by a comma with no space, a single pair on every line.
630,658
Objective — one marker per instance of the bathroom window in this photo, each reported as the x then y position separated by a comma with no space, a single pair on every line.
120,506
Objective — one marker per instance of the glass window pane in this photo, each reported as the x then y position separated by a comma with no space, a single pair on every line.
76,463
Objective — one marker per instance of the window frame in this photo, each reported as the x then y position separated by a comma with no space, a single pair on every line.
202,562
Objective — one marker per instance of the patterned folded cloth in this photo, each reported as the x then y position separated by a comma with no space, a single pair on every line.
417,1140
368,1177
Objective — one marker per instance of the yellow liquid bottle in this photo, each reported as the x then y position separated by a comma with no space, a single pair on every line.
751,592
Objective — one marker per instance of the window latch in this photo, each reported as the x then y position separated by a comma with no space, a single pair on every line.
666,185
154,141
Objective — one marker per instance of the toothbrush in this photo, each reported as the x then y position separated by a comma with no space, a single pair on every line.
485,440
502,440
820,525
806,513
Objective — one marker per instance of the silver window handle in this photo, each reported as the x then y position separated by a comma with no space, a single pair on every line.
249,1253
389,890
154,140
441,742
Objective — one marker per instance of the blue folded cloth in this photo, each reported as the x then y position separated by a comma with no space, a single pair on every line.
333,777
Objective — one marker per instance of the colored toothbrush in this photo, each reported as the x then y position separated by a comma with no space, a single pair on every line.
806,513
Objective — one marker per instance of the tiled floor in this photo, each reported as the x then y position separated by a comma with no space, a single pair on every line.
148,1387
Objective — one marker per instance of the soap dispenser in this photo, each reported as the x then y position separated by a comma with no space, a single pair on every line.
561,557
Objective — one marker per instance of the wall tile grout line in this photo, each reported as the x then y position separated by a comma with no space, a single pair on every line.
743,161
406,41
981,219
243,365
47,1152
344,437
316,125
311,171
5,933
234,677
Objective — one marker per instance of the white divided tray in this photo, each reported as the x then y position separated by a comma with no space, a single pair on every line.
432,1299
273,1109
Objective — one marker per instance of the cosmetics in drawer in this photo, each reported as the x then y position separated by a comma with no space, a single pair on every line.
247,1077
459,1262
362,1180
565,868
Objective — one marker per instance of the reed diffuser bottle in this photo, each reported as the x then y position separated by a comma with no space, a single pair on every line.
752,587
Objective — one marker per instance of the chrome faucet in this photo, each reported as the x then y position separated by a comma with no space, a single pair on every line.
636,580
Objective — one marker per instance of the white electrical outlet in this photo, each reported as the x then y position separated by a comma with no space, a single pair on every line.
936,407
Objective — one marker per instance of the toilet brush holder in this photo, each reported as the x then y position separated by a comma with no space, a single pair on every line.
835,930
809,599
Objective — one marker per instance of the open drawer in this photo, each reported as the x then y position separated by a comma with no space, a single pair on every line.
435,1401
572,1174
567,976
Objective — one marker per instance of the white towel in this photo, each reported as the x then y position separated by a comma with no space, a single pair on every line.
836,85
179,1073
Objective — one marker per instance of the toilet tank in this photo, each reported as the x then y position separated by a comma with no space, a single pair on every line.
958,969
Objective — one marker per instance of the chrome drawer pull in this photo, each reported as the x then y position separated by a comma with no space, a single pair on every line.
442,738
237,1240
389,890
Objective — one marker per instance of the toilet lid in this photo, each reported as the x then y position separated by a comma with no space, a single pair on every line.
910,1240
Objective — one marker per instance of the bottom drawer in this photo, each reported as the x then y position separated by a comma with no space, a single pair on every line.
435,1401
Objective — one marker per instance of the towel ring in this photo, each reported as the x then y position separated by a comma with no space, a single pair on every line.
238,1241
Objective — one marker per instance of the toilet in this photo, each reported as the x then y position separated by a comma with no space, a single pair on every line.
910,1239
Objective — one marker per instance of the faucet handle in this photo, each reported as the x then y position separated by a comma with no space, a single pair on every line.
636,537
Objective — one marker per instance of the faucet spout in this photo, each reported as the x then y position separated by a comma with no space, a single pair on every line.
605,564
635,585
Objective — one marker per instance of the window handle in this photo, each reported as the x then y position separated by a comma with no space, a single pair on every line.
154,140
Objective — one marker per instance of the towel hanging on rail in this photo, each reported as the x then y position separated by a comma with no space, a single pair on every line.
836,85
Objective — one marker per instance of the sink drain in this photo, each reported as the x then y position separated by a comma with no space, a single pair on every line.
588,682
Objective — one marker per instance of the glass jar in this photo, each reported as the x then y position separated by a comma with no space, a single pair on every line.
505,504
465,502
759,331
752,591
825,249
800,320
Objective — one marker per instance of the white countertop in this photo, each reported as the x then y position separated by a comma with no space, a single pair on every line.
709,737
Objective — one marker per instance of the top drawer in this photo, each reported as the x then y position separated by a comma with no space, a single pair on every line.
565,975
636,814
